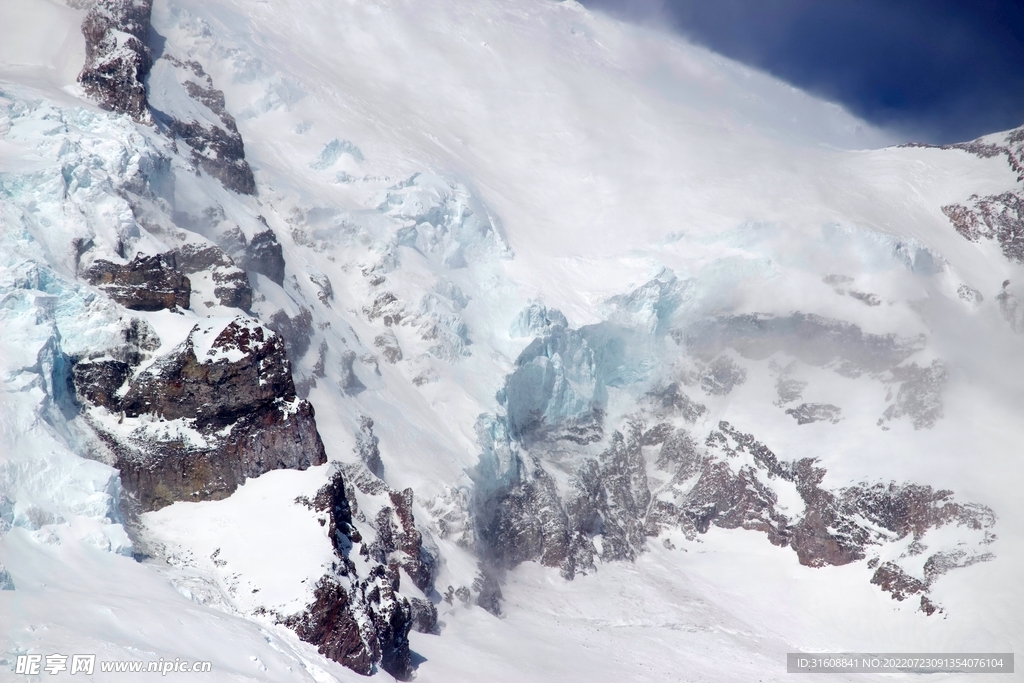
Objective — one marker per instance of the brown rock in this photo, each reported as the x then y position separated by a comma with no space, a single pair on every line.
116,57
147,283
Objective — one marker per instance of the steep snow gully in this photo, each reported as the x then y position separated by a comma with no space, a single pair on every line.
496,340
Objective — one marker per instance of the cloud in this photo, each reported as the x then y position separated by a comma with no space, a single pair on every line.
938,70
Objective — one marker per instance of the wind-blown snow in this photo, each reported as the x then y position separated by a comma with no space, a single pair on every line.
497,215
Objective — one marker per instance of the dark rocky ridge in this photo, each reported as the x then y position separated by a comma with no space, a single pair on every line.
117,62
218,150
232,287
116,56
543,493
995,217
147,283
398,543
610,497
264,255
998,217
360,622
239,397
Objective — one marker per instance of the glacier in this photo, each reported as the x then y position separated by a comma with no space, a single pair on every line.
504,339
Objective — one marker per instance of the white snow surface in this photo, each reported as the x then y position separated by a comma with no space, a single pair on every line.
477,158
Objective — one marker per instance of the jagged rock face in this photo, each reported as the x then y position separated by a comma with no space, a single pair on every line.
525,521
296,331
98,381
672,400
116,57
215,143
219,151
541,494
330,624
263,255
228,402
99,377
368,447
997,217
424,616
359,622
612,498
243,368
268,439
733,481
147,283
232,287
833,528
900,585
398,543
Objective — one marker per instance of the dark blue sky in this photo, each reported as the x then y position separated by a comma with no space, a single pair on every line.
932,70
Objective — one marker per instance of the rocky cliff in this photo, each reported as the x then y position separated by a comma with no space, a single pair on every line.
201,419
358,617
117,56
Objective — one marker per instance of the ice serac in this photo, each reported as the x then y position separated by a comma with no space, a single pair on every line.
117,58
553,427
200,420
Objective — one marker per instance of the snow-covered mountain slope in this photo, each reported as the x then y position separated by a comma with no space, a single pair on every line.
495,339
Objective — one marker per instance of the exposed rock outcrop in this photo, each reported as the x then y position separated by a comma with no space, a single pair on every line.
116,56
215,143
806,413
732,481
396,541
146,283
996,217
219,408
525,520
360,622
231,286
296,331
611,498
827,527
367,447
672,400
263,255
